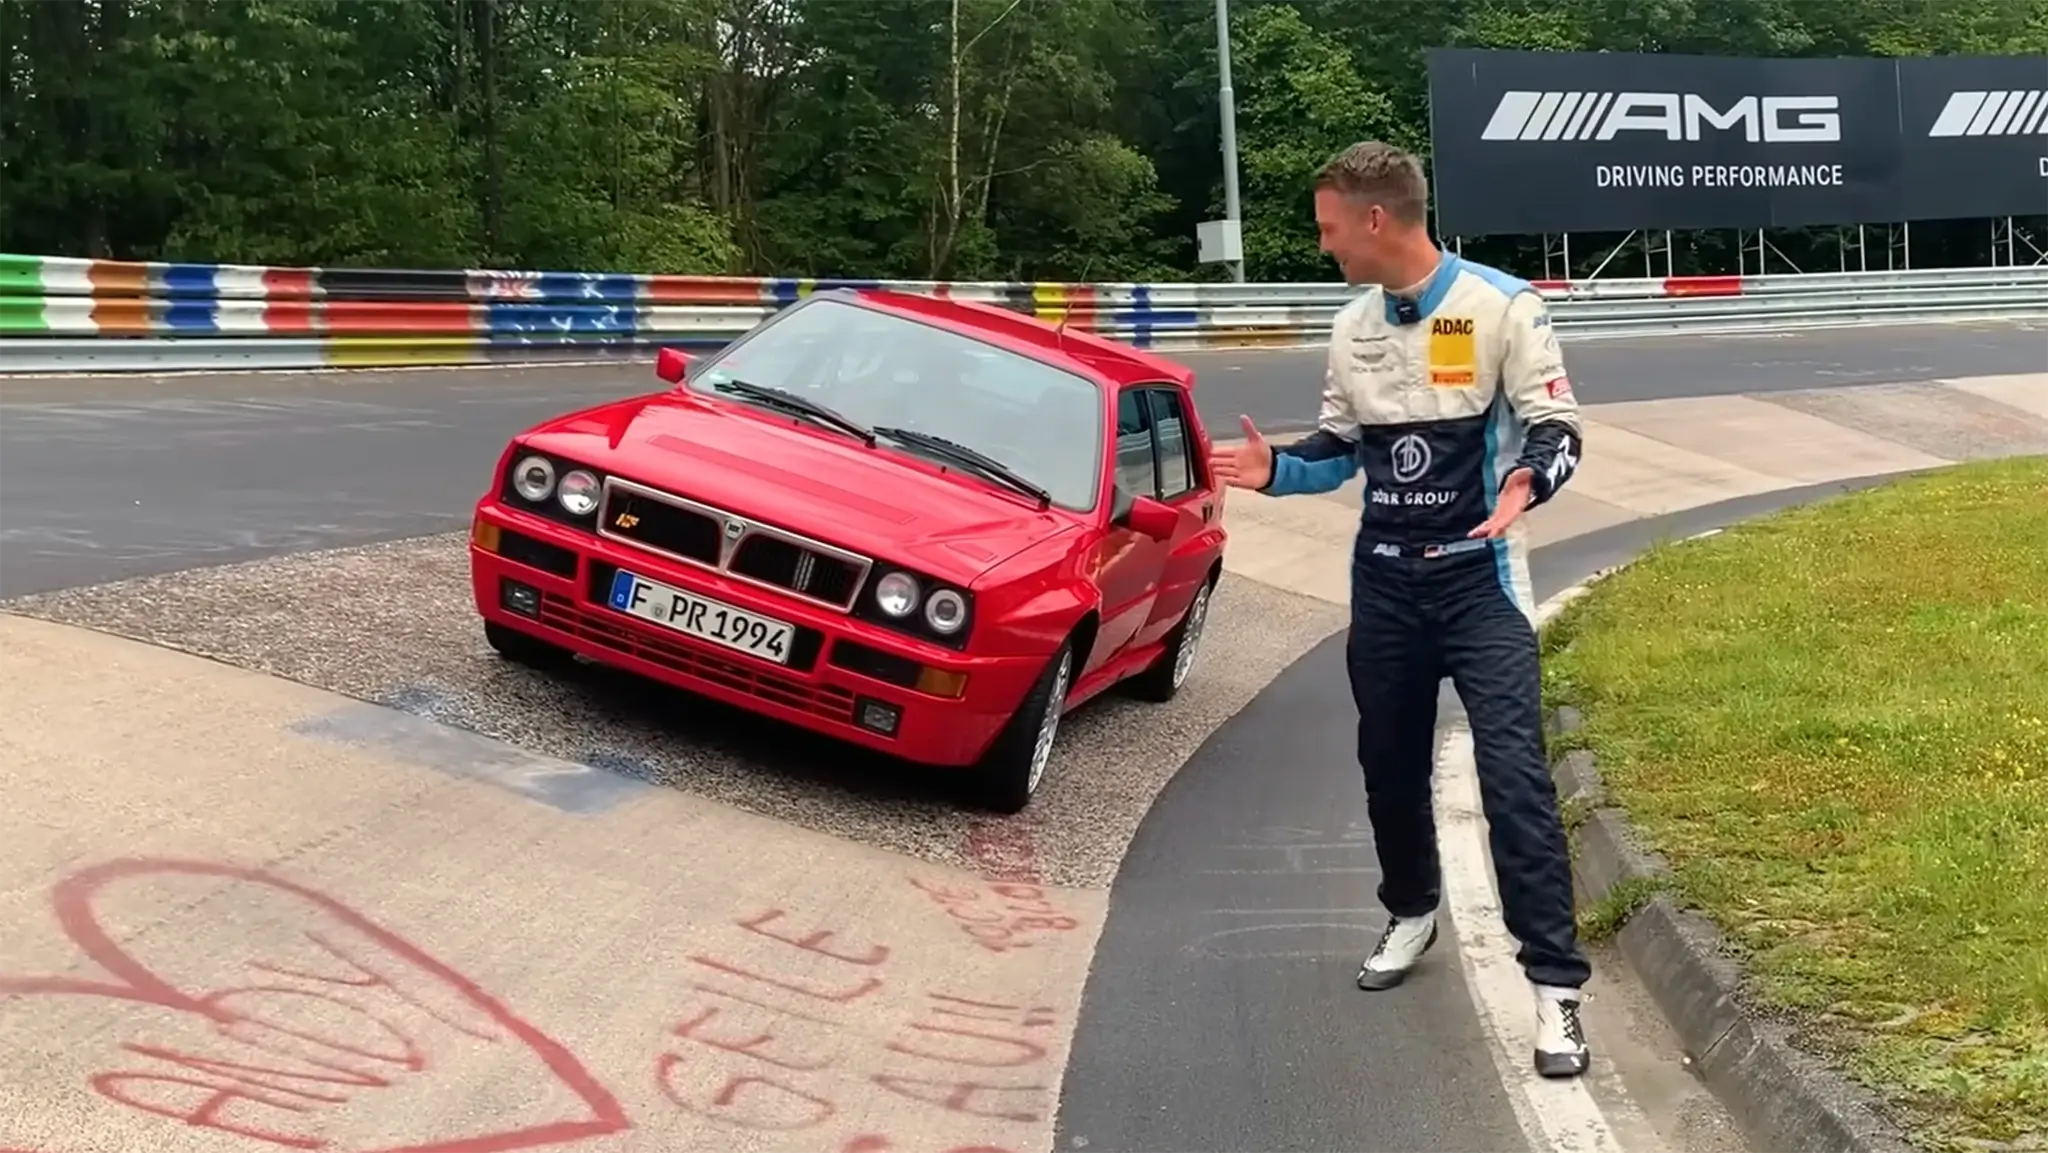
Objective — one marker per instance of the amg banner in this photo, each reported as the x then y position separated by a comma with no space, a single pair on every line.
1974,137
1534,142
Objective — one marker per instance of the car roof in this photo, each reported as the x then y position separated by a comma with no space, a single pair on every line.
1071,348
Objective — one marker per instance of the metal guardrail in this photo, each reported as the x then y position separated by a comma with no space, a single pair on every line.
65,315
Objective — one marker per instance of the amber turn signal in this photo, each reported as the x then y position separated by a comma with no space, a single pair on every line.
941,682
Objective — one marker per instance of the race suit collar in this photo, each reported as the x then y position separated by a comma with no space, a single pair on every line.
1433,291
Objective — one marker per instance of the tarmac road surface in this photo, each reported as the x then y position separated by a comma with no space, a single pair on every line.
116,476
1280,389
578,912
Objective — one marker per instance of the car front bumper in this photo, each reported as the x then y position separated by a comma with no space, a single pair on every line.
845,678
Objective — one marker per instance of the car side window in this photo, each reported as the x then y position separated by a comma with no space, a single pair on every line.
1136,469
1176,456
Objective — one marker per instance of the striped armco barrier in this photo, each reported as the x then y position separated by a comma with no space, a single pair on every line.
61,314
1647,288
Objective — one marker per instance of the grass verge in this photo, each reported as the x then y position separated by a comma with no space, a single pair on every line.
1833,722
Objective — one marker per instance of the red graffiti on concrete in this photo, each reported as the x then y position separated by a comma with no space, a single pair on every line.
978,1033
1001,917
1003,851
760,1046
279,1052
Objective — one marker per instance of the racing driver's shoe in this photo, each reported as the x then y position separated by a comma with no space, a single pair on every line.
1403,943
1561,1049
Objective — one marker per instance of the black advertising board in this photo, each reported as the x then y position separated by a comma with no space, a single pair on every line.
1535,142
1532,142
1975,137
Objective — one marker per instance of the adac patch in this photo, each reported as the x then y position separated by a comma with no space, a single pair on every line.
1453,359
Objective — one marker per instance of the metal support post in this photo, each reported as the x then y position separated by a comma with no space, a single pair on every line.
1226,103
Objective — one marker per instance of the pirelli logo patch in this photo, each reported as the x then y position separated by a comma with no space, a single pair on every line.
1453,361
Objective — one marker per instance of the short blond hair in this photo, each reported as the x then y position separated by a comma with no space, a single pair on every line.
1379,173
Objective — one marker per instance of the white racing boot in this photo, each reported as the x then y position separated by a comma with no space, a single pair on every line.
1561,1049
1403,943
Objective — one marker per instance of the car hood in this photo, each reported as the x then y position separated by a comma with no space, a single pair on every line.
875,501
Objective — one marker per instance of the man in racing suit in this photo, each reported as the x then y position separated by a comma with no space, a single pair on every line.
1445,385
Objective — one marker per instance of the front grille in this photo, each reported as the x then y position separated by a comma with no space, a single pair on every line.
749,550
662,526
786,564
764,682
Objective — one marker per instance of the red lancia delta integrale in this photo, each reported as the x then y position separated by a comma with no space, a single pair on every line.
895,519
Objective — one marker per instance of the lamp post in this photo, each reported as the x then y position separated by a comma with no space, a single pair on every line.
1223,240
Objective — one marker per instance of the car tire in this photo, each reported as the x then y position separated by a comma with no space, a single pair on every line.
1162,679
1010,772
530,651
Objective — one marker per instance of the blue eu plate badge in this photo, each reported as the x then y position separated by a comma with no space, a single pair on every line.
622,589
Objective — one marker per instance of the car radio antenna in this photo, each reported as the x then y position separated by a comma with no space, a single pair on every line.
1067,306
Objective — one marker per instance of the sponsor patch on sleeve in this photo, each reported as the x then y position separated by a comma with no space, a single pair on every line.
1558,387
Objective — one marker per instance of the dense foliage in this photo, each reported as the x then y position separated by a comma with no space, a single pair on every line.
1051,139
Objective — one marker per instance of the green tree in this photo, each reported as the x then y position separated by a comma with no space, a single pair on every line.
1035,139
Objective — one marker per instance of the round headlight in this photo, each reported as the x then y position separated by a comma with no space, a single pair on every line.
946,611
896,594
579,492
534,478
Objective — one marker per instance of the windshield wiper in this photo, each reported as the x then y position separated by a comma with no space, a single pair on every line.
791,402
982,463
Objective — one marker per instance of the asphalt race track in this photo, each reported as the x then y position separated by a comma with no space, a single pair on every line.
244,678
1662,367
111,477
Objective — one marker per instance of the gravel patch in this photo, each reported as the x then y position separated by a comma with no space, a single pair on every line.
393,623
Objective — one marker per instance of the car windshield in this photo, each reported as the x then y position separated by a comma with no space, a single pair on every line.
1041,422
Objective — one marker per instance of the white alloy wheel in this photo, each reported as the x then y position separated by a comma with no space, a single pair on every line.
1049,725
1191,636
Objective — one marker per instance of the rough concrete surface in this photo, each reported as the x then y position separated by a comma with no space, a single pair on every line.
221,916
395,624
1933,417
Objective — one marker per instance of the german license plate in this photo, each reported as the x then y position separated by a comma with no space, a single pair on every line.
702,617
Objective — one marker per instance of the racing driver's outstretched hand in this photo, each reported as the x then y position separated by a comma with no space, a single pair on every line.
1514,499
1247,465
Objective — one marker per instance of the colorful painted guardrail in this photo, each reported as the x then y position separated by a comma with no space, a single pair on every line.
60,314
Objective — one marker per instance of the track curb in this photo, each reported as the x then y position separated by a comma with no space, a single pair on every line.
1784,1099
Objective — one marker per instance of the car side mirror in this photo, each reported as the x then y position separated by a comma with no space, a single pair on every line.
1154,518
671,364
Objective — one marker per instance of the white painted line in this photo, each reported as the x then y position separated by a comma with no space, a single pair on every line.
1556,1116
